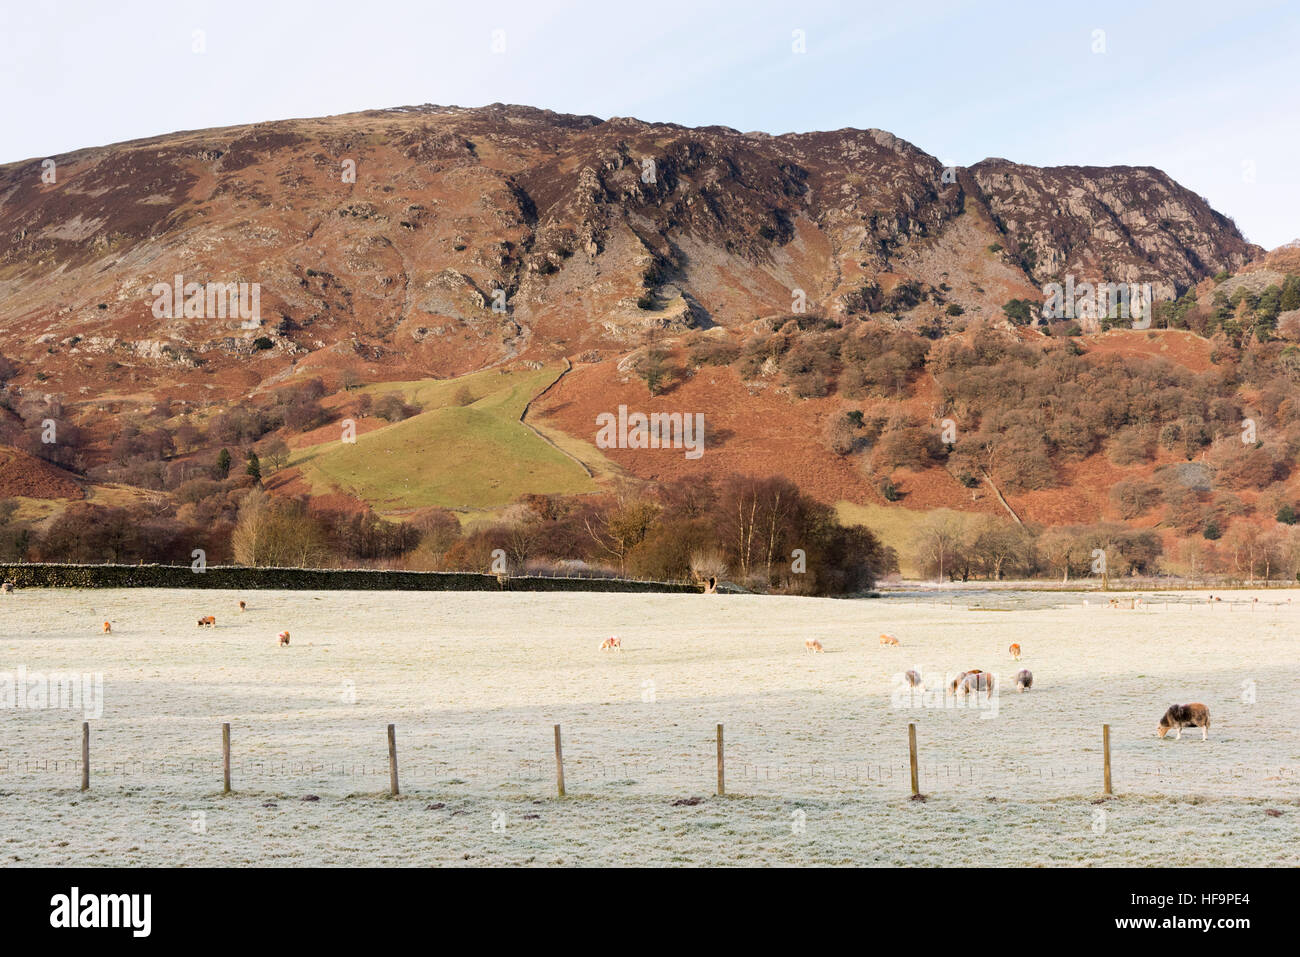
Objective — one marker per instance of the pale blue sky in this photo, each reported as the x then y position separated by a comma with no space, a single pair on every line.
1209,92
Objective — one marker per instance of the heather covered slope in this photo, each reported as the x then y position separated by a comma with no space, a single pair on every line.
802,292
595,232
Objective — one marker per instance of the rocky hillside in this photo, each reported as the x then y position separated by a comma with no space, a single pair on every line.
189,321
474,237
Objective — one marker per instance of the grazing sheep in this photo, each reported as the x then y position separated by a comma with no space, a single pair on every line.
1024,679
1179,716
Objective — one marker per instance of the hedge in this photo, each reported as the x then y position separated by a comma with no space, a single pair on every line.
51,575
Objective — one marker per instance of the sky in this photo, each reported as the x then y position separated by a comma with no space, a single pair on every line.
1208,92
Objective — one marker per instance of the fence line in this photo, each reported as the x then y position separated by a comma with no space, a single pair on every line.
509,767
537,770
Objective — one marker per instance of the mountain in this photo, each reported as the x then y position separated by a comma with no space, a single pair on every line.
590,246
426,243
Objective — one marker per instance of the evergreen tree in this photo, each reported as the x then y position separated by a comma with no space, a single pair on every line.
1290,293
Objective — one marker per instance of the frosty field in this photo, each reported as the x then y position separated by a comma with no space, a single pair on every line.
816,745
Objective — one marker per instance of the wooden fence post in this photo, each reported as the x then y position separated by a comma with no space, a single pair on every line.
911,749
225,756
559,763
85,755
722,784
1105,746
392,761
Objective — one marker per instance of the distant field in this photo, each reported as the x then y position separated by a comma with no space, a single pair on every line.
816,745
894,526
36,510
474,456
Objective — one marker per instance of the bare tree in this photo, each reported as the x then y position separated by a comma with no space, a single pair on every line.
617,530
937,540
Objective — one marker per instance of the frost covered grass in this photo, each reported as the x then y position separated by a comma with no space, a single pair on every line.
816,744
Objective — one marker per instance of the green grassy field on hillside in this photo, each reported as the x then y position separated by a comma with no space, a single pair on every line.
473,456
895,526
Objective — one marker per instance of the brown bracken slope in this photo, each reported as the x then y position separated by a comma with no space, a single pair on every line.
505,235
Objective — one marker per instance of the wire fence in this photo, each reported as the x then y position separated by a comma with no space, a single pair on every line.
752,765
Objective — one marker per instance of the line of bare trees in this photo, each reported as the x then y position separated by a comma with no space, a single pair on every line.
950,545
